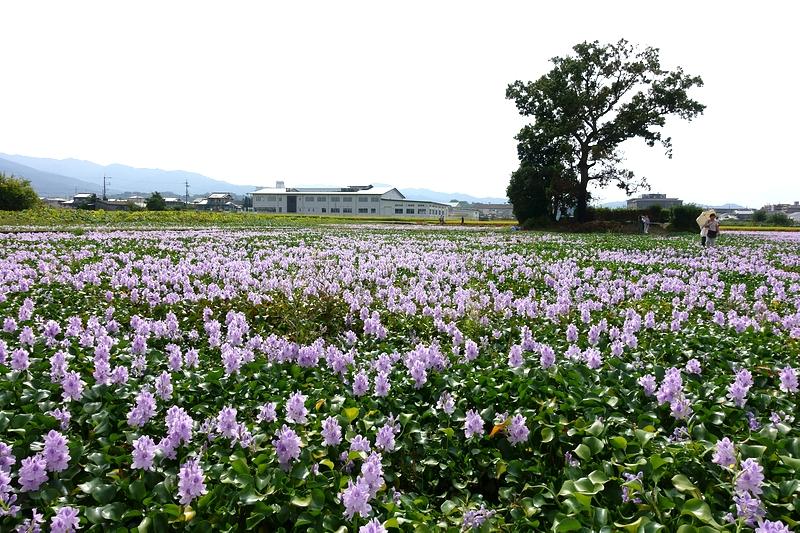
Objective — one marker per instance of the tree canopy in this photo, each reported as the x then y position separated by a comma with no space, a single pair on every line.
17,194
590,103
156,202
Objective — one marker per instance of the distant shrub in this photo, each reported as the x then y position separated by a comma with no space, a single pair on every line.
684,217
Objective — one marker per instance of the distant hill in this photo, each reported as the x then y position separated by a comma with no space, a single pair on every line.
125,178
51,184
614,205
433,196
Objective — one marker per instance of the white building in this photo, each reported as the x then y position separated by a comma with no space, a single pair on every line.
355,200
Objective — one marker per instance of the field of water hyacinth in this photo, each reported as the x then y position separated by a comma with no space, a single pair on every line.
370,379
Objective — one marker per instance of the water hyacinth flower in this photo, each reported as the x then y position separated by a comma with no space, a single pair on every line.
725,455
30,525
191,482
372,472
7,498
296,411
356,499
547,356
385,437
515,359
7,459
226,422
267,412
446,403
382,385
19,359
360,384
748,508
55,452
648,383
359,444
517,430
65,521
737,391
287,446
373,526
693,367
144,451
750,477
475,518
772,527
72,386
331,432
473,425
144,409
32,473
788,377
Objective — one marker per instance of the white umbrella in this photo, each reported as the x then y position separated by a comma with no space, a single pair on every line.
704,216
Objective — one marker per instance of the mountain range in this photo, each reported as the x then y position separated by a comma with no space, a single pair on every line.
67,177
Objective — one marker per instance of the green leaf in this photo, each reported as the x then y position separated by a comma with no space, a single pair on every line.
240,466
448,506
302,501
682,483
700,510
583,451
351,413
137,490
568,524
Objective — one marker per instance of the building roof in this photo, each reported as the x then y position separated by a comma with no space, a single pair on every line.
367,190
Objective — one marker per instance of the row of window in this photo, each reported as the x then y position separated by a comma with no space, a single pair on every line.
361,199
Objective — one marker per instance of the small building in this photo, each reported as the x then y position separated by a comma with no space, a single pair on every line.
782,208
353,200
112,204
217,201
175,203
54,202
495,211
649,200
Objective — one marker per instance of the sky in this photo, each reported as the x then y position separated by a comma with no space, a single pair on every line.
410,94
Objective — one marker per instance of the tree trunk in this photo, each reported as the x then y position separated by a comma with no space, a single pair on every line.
583,169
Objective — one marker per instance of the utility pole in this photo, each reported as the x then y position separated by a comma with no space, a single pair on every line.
186,198
104,186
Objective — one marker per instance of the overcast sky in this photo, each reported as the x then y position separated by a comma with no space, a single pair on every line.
409,93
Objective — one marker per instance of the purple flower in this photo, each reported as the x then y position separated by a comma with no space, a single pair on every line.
753,423
7,498
9,324
295,408
725,455
144,450
750,477
385,438
747,507
32,473
164,386
473,424
179,425
418,373
680,408
693,367
191,482
144,409
66,521
648,383
359,444
19,359
670,387
547,356
360,384
356,499
331,432
772,527
382,385
446,403
518,431
6,459
72,385
372,472
515,359
267,413
788,380
374,526
226,422
470,350
475,518
593,358
30,525
56,452
191,359
287,446
572,333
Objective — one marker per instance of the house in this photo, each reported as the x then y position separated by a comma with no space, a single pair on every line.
353,200
112,205
649,200
782,208
217,201
54,202
495,211
175,203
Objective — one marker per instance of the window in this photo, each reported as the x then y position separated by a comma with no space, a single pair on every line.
374,199
271,198
280,199
324,209
372,210
270,209
280,210
421,211
362,210
334,198
347,210
322,198
398,211
309,198
409,211
347,199
334,209
363,199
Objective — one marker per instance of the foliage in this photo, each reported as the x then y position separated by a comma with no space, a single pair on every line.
284,310
590,103
684,218
156,202
779,219
759,216
16,194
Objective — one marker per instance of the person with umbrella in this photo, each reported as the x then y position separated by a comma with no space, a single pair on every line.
704,217
712,225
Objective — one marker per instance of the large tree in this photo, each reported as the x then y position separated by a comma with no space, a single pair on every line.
593,101
17,194
156,202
